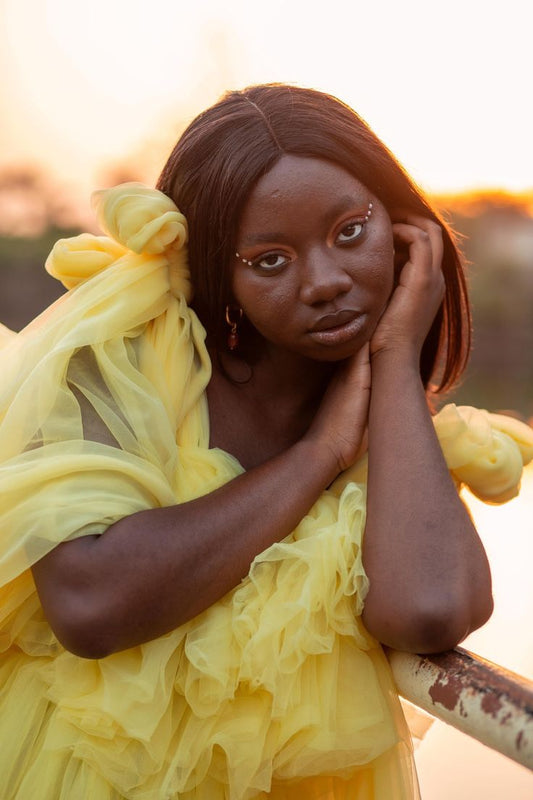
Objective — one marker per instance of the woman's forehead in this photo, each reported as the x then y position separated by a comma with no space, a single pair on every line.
298,182
293,172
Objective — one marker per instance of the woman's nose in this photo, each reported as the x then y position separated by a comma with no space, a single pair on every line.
323,279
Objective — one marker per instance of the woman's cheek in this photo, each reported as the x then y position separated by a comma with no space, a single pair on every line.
382,269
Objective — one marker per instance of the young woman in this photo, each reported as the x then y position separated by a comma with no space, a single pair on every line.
187,606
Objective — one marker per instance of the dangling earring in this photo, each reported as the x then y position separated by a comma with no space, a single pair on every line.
233,317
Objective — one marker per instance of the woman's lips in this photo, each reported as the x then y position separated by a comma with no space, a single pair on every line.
337,328
334,320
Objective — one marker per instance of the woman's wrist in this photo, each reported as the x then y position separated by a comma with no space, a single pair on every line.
318,458
401,360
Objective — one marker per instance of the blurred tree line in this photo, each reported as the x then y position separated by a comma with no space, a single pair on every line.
495,232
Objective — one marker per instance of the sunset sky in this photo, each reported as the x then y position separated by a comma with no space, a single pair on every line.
88,87
447,86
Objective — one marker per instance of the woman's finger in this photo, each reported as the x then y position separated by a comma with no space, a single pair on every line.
423,241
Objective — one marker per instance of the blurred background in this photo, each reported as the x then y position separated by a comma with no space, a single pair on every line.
93,94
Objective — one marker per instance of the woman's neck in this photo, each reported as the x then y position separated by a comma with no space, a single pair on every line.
258,411
280,377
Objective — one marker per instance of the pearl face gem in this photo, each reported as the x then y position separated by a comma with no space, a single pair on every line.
244,261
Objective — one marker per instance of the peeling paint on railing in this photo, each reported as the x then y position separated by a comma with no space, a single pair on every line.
476,696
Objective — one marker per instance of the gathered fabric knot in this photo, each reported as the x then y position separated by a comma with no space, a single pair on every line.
143,220
137,220
485,451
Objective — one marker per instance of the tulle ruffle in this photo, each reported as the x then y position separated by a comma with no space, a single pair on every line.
277,683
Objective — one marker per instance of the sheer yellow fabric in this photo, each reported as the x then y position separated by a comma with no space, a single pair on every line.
276,690
5,335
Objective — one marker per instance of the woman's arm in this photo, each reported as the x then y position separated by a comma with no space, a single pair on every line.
429,576
154,570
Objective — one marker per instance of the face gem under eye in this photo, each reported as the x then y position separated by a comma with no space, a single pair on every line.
276,261
244,260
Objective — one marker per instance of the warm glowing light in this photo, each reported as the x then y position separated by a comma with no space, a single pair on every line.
507,533
446,89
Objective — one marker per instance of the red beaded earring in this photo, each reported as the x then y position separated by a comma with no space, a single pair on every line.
233,317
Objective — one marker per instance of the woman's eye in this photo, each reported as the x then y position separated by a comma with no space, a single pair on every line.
271,261
351,232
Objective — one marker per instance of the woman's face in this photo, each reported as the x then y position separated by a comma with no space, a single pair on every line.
321,252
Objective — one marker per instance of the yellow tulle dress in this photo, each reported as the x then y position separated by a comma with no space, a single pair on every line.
276,690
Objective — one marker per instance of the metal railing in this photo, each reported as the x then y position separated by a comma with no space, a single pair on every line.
482,699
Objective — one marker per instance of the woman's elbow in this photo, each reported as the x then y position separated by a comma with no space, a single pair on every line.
431,627
437,630
82,610
85,644
82,629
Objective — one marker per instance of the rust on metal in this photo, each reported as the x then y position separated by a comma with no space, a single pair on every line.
482,675
446,691
474,695
491,704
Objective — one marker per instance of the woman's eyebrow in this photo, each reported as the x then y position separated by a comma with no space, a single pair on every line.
347,203
262,238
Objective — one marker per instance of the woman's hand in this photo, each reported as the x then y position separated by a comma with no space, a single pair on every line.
419,288
341,420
